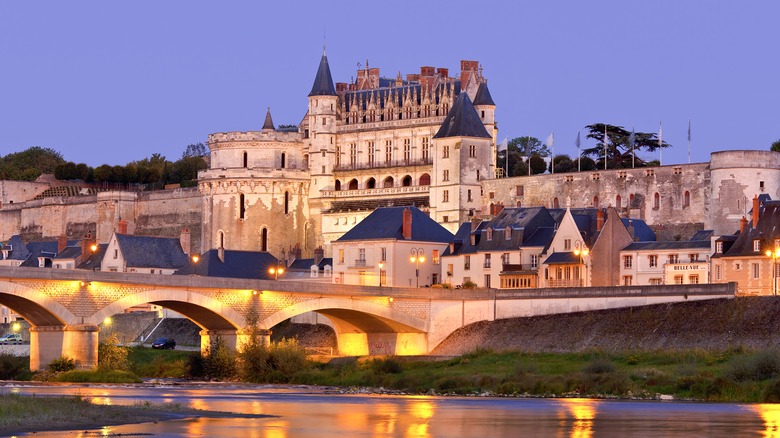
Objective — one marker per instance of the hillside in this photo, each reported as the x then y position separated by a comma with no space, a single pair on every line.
752,322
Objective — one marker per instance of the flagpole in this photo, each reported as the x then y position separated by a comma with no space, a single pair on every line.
552,160
660,143
689,141
633,146
579,154
606,138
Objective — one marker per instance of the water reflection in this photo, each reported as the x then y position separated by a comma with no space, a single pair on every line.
584,412
422,412
770,413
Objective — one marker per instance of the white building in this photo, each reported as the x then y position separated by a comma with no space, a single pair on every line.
655,263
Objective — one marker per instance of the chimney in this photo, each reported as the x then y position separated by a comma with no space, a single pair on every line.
407,227
184,239
121,228
631,230
443,72
296,252
86,243
319,253
743,223
62,243
599,219
755,211
475,224
466,68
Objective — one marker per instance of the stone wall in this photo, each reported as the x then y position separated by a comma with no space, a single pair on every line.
14,192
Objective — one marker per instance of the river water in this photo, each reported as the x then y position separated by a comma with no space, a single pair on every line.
312,412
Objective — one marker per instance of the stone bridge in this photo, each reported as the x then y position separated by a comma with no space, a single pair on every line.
66,307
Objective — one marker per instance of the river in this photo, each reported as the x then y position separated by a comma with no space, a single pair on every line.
312,412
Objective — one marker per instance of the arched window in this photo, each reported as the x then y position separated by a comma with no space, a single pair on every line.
389,181
630,200
283,157
353,185
371,183
656,201
425,179
617,201
286,202
246,159
407,181
555,203
241,207
264,239
338,185
519,204
220,240
596,201
687,199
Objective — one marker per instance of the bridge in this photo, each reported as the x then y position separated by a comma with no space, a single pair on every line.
65,308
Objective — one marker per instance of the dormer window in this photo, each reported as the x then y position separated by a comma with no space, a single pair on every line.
489,234
508,233
473,240
719,247
756,245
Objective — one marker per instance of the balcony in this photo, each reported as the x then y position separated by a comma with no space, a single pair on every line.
574,282
382,164
360,263
385,191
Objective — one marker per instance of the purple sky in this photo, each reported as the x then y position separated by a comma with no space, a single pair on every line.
111,82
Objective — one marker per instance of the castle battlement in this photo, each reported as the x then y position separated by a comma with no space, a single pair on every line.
279,136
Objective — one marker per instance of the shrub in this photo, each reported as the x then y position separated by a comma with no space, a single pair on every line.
762,365
386,366
12,366
599,365
772,393
112,356
219,362
469,285
62,363
287,356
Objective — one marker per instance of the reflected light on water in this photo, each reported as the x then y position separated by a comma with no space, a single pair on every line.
770,413
276,429
352,420
386,419
584,412
422,412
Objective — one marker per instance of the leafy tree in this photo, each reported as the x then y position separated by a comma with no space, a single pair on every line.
563,163
587,163
195,150
29,164
538,164
775,146
619,151
517,149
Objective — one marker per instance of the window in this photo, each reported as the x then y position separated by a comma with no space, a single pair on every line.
283,160
693,279
505,258
445,175
407,150
596,201
435,257
445,152
487,260
756,245
445,218
466,263
449,270
555,203
264,240
245,160
241,207
508,234
534,261
468,195
656,201
445,196
719,247
477,174
425,149
678,279
286,202
687,199
717,272
487,280
362,256
655,282
673,258
323,121
116,253
755,271
652,260
566,244
371,152
627,279
472,151
617,201
388,151
384,254
338,155
693,258
323,153
353,154
382,276
489,233
628,261
519,191
341,255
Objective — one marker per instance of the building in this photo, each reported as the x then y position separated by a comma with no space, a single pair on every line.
233,264
143,254
655,263
393,246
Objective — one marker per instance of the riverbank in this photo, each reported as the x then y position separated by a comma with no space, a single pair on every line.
24,414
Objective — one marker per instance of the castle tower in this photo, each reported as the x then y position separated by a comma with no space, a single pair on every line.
323,103
486,109
464,153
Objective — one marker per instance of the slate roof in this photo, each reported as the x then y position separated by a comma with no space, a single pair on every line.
388,93
670,245
269,123
767,231
70,252
19,250
530,226
642,232
703,235
387,223
462,121
237,264
152,252
98,258
323,82
42,249
563,258
483,96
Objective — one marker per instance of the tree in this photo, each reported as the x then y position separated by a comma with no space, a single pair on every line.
29,164
195,150
538,165
775,146
517,149
563,163
619,151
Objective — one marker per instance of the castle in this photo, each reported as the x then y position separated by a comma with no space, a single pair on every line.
428,140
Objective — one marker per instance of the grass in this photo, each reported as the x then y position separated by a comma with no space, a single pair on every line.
152,363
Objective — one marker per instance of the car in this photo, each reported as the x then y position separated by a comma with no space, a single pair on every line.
11,338
164,344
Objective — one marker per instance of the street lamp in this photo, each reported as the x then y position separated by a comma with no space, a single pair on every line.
92,259
381,265
417,258
195,259
775,255
581,250
276,270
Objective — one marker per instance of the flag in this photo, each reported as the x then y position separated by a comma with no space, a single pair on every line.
503,145
549,141
578,140
689,130
579,155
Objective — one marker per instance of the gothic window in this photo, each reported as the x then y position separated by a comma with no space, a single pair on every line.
687,199
371,183
241,207
555,203
425,179
286,202
338,185
388,182
246,161
283,160
264,239
656,201
596,201
407,181
353,184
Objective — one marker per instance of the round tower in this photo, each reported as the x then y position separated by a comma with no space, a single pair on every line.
323,103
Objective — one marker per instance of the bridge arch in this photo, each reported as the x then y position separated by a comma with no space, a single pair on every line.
206,312
35,307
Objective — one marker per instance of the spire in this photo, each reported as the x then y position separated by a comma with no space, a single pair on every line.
462,120
483,96
323,82
269,123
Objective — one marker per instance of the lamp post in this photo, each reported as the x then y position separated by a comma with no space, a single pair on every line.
195,259
381,265
774,255
417,258
276,270
92,257
581,250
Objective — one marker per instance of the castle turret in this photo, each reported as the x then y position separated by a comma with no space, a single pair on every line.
323,103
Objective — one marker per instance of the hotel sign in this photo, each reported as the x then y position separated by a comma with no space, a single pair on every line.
689,267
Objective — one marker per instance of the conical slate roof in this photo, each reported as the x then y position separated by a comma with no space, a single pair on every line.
323,82
462,120
483,96
269,123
